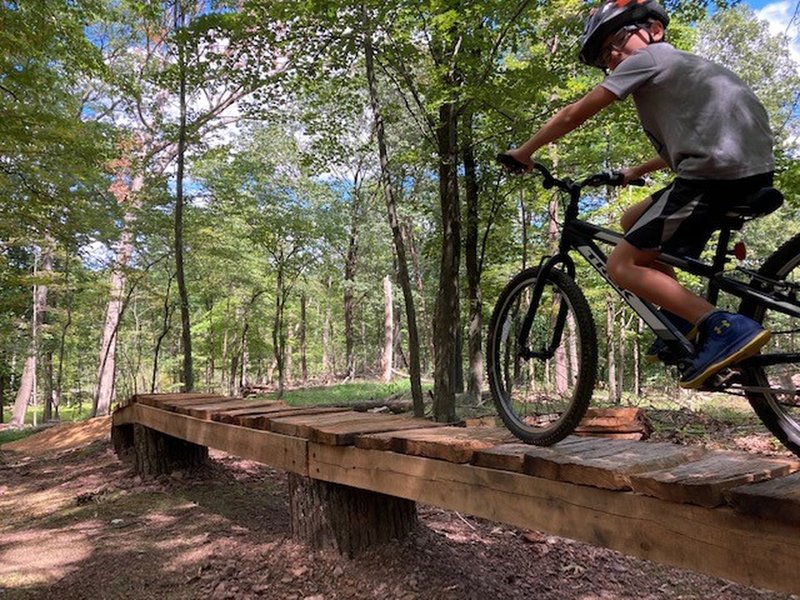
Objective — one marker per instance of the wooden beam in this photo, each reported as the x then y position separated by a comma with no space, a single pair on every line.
750,550
273,449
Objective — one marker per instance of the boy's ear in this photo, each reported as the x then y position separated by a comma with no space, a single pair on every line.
657,30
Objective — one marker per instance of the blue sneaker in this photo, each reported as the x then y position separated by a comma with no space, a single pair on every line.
725,339
658,350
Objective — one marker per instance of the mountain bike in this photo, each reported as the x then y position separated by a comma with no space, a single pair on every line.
542,341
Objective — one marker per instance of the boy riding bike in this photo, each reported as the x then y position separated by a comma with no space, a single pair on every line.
709,128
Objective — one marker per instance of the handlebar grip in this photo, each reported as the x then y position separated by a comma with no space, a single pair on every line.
640,182
511,163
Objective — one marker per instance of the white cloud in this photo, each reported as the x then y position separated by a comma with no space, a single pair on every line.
783,20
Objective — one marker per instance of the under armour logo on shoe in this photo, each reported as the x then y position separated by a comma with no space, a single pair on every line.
724,324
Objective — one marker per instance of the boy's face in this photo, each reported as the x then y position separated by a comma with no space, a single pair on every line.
620,45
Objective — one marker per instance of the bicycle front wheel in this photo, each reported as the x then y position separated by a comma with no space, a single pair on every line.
542,357
774,390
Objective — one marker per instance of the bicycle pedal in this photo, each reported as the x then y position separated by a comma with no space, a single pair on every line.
724,379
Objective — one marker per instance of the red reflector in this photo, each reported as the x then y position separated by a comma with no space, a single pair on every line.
740,250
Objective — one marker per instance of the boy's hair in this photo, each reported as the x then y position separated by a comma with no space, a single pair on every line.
612,16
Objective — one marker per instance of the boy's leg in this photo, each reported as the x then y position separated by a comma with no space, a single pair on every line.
635,270
725,338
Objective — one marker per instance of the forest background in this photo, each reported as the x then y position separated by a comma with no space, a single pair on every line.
255,194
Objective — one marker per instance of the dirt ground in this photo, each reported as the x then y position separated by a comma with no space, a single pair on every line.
76,523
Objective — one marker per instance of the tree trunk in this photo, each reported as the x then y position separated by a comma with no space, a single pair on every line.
394,223
637,375
278,337
186,332
472,261
610,351
349,520
349,283
157,453
418,282
387,356
446,319
327,340
303,344
27,385
104,393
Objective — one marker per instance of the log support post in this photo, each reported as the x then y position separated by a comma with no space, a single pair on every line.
346,519
157,453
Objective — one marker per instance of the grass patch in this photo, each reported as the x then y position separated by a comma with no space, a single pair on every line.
12,435
65,413
347,393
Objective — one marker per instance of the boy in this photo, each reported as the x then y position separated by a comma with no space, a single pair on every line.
709,128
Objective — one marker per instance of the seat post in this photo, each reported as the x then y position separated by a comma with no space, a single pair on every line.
720,258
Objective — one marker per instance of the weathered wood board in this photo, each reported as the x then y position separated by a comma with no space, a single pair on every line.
775,499
605,463
302,425
345,433
705,481
205,411
169,400
454,444
264,420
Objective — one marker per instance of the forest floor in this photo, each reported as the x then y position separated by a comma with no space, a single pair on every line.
76,523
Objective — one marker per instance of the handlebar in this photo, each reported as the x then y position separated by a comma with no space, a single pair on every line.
613,178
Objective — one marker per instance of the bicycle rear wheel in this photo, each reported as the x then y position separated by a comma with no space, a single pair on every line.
776,399
542,399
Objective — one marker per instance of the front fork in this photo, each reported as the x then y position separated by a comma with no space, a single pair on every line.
546,266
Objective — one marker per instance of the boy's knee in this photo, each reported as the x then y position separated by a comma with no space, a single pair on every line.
616,269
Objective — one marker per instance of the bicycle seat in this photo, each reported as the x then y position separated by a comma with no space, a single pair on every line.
760,203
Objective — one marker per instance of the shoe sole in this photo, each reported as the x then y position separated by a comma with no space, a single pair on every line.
652,359
752,347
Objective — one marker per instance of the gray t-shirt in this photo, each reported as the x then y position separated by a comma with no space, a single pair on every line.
701,118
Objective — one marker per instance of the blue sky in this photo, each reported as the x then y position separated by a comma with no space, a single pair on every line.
782,18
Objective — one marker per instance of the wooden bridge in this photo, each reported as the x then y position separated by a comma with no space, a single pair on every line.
728,514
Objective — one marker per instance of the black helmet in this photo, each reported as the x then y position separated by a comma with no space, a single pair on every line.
609,18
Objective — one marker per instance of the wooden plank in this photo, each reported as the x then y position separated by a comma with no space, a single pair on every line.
283,452
511,457
775,499
302,425
606,463
205,411
505,457
705,481
454,444
720,542
160,400
264,420
232,416
345,433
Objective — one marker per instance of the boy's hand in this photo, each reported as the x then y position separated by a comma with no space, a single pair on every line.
629,176
515,162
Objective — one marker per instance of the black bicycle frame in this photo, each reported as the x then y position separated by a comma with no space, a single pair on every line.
581,236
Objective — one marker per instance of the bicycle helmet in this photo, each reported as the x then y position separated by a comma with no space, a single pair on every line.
609,18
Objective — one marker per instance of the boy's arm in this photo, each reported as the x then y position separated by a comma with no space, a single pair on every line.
654,164
565,120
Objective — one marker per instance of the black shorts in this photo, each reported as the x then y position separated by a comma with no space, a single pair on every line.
682,217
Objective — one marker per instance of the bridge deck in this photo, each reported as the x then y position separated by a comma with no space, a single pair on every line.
728,514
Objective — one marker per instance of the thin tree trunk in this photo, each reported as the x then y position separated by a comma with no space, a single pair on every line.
472,261
637,375
303,348
610,352
394,223
387,356
278,337
165,326
186,332
351,261
408,235
327,341
27,385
